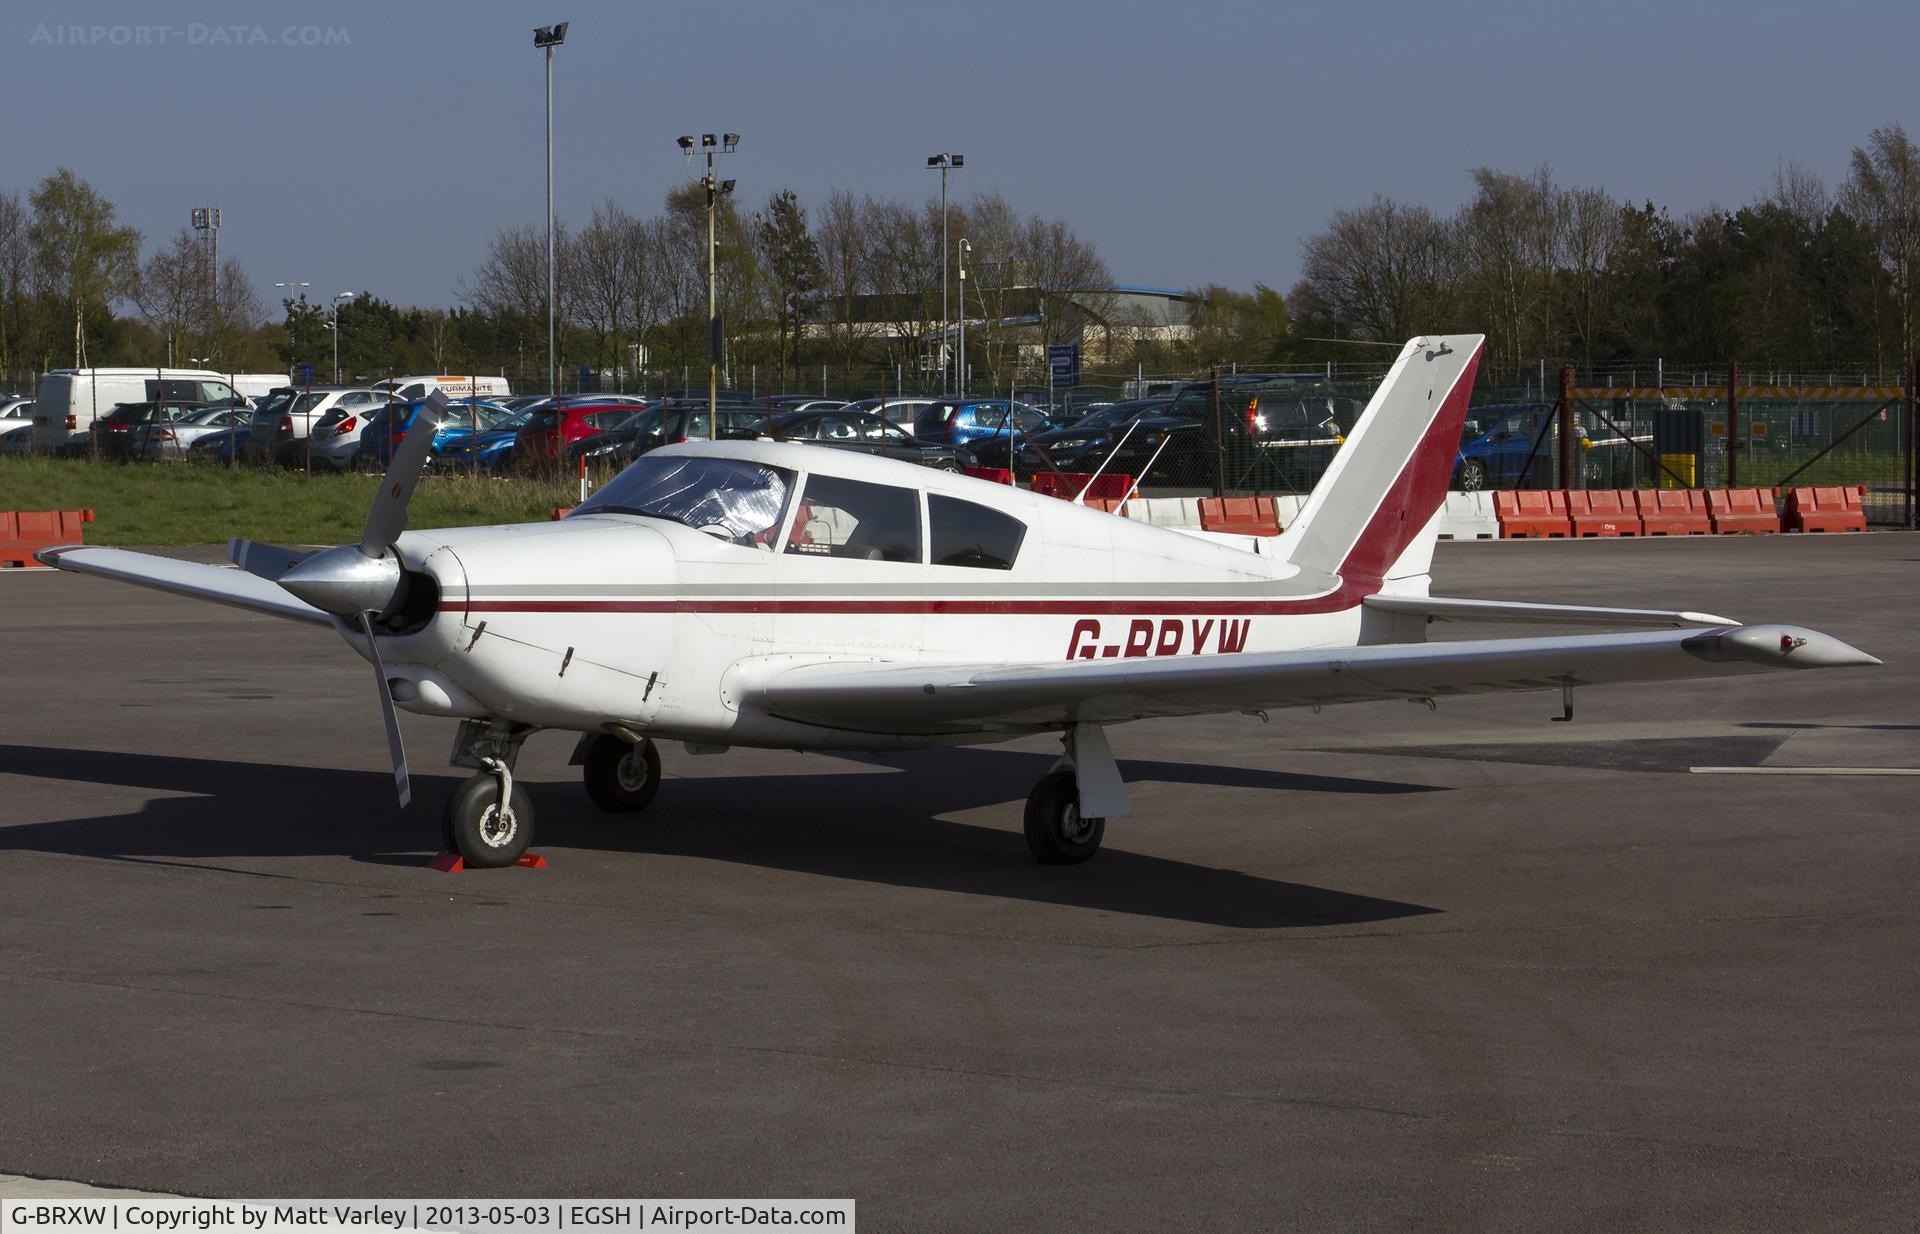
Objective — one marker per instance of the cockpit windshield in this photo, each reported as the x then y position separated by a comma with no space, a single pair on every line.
746,500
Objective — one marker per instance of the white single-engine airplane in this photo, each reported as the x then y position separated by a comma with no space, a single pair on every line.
790,596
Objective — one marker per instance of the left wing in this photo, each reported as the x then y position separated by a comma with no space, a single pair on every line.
236,588
950,698
1452,608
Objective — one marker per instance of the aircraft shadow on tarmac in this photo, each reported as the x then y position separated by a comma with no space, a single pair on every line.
861,825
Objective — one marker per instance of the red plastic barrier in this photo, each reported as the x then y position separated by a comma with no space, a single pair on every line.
1240,516
1603,512
993,475
1826,509
1528,515
1742,511
1673,511
1067,485
1112,505
559,512
25,532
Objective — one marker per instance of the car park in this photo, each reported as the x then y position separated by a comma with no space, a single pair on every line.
653,427
864,433
169,441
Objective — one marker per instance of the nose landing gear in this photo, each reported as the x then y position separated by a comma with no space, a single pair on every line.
489,819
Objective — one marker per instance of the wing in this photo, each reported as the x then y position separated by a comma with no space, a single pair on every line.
1449,608
185,578
932,699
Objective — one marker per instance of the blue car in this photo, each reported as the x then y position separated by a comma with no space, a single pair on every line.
977,426
489,451
1497,455
220,447
465,417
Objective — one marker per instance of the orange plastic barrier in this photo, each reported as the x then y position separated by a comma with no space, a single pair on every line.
1742,511
1111,505
1826,509
1673,511
1240,516
993,475
559,512
1529,515
1603,512
25,532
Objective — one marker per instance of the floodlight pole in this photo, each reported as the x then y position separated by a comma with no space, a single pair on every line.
960,366
549,37
713,304
945,162
345,295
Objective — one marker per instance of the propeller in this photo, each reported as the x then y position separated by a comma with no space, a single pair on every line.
361,581
268,561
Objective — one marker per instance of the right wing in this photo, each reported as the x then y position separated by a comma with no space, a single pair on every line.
876,697
185,578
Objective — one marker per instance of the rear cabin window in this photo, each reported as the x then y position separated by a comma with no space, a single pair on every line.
853,519
965,534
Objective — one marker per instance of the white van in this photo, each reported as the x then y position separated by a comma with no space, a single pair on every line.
407,389
257,386
69,399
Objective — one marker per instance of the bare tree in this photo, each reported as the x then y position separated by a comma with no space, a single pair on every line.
1509,238
15,258
1380,270
171,290
1592,232
1883,193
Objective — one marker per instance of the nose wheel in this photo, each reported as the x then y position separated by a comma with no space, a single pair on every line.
1057,832
487,829
621,776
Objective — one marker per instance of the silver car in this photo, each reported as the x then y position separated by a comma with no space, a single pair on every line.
16,425
336,435
169,443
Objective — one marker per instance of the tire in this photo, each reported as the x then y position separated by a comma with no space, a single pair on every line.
620,776
477,837
1473,476
1056,833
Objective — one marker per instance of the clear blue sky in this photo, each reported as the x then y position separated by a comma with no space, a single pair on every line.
1192,140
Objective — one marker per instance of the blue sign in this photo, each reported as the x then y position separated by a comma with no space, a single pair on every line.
1063,363
305,376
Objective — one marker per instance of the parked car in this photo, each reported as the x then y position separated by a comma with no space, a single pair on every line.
464,417
657,426
112,434
282,425
1496,457
550,430
489,451
864,433
1107,436
16,425
159,441
220,446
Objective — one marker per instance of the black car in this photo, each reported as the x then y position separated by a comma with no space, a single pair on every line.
113,433
1110,431
658,426
864,433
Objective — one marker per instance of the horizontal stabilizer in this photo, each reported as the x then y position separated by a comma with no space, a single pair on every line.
1450,608
193,579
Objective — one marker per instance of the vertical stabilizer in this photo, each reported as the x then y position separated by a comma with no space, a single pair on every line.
1385,484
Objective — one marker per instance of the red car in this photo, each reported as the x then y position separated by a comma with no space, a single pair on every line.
537,446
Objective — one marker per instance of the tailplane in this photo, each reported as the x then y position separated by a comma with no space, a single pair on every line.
1365,518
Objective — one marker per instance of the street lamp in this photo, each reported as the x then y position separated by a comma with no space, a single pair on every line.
711,145
345,295
946,163
550,37
960,367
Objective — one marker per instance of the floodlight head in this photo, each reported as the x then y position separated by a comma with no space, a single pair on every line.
550,36
686,143
726,186
708,141
934,160
730,140
959,160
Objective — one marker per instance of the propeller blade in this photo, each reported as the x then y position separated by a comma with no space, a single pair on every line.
387,713
268,561
388,518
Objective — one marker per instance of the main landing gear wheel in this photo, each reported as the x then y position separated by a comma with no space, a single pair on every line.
621,776
482,833
1056,832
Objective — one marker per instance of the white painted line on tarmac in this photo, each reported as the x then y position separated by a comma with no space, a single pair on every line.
20,1187
1805,771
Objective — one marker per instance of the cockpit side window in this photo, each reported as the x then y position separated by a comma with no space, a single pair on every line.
853,519
967,534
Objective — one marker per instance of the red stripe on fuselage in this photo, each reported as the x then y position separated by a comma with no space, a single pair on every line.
1345,597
